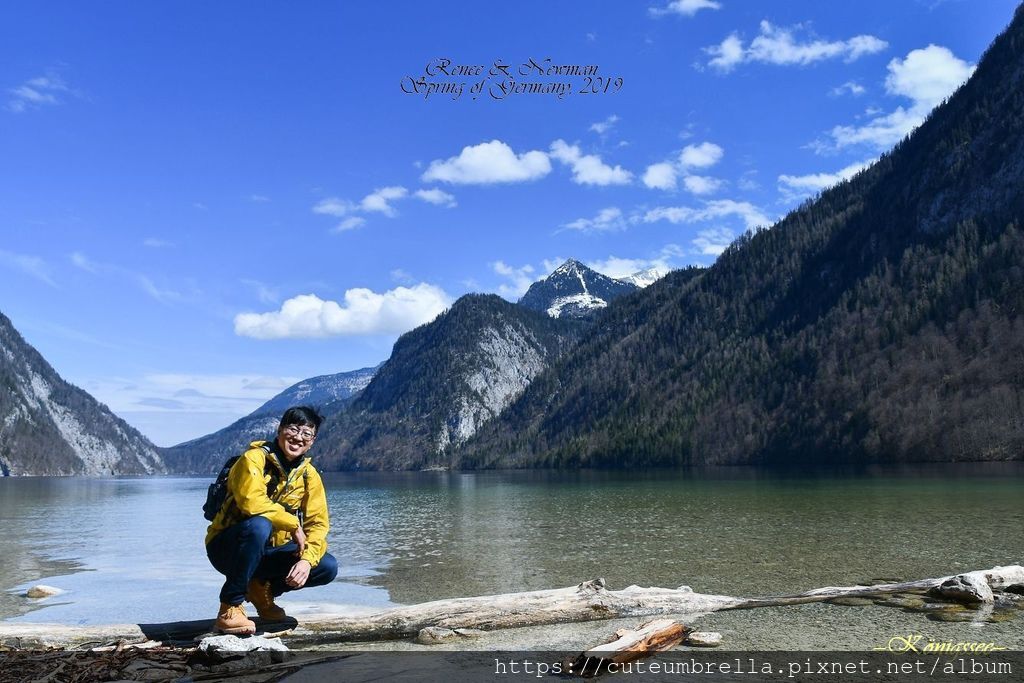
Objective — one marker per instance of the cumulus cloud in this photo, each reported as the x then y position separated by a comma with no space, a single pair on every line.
720,208
660,176
794,187
332,206
684,8
850,87
32,266
925,76
700,156
362,311
350,223
602,127
36,93
664,175
777,45
488,163
606,220
588,169
713,241
519,279
698,184
379,200
438,197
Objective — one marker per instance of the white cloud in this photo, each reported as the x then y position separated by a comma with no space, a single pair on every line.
362,312
37,92
660,176
438,197
713,241
519,279
700,156
794,187
30,265
489,162
719,208
684,8
602,127
588,169
776,45
925,76
259,198
379,201
664,176
618,267
851,87
350,223
698,184
332,206
606,220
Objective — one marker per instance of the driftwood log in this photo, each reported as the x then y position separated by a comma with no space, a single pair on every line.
628,645
588,601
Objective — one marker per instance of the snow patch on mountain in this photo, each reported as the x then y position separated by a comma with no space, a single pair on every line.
577,303
644,278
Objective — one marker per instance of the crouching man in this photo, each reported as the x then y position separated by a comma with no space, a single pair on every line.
270,535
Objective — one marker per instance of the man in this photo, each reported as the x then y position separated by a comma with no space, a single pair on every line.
270,535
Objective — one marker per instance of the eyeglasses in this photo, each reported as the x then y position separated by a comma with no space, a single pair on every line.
304,434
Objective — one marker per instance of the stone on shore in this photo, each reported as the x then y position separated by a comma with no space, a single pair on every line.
703,639
968,588
229,643
435,635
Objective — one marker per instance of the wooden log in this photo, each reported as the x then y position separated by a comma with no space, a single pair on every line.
628,645
587,601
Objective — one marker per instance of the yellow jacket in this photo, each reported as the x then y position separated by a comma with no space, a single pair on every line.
303,490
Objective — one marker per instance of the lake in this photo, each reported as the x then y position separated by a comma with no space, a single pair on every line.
130,550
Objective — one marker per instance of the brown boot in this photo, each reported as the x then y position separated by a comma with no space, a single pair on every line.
232,619
260,596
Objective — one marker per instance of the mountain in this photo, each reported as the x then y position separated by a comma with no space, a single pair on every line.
645,278
51,427
205,455
574,291
442,381
880,322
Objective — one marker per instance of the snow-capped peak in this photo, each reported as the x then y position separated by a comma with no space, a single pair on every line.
643,278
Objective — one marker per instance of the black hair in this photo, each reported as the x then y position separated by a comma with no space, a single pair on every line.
304,416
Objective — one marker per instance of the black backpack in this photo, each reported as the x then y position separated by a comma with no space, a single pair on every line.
218,491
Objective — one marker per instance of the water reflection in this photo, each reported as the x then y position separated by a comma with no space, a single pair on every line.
411,537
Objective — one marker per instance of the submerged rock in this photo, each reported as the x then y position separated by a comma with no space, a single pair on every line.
42,591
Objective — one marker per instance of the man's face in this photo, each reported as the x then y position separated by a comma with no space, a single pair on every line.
294,440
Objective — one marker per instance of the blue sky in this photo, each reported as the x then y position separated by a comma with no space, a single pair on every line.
204,203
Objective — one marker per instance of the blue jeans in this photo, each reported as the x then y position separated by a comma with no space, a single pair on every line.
240,553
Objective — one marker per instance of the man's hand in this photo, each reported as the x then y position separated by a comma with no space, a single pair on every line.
298,574
299,536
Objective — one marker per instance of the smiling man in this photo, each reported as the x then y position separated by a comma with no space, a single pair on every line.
270,535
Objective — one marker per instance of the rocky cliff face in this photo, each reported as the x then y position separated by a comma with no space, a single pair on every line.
50,427
442,382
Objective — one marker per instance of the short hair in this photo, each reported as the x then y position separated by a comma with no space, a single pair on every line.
304,416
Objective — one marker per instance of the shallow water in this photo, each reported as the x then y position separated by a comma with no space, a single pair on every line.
128,550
